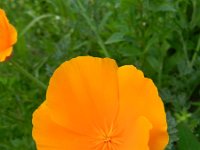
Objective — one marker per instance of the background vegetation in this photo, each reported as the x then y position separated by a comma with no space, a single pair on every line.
161,37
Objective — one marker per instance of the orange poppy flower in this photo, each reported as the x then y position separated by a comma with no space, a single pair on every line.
8,37
92,104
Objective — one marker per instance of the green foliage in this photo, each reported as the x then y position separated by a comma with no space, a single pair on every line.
172,130
161,37
187,139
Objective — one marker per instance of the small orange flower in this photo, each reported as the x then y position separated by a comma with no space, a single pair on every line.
8,37
92,104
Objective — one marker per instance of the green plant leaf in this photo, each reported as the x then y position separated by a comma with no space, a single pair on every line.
166,7
115,38
187,140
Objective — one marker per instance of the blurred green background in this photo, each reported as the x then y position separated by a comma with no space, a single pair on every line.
160,37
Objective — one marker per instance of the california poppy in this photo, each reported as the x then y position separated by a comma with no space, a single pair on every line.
8,37
92,104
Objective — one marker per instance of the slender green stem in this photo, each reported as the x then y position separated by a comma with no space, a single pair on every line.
33,22
28,75
160,74
195,53
94,29
184,49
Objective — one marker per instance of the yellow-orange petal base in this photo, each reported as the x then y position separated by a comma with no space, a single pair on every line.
92,104
8,37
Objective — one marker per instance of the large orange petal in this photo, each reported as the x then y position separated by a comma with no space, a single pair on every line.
83,94
6,53
136,136
158,136
51,136
139,97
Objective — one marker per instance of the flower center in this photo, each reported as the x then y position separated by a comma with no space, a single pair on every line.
107,139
